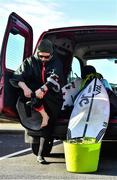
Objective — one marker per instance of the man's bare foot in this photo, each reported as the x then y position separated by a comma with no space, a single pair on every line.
45,118
44,115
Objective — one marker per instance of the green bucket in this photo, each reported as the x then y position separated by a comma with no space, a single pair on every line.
81,158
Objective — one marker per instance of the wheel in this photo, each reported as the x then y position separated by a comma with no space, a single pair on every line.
47,147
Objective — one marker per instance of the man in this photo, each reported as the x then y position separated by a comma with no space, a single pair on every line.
88,73
42,74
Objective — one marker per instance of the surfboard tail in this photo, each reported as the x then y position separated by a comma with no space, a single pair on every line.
100,135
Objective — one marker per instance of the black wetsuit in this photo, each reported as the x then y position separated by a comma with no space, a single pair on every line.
30,72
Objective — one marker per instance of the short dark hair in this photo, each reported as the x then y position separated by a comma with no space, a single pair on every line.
45,46
88,69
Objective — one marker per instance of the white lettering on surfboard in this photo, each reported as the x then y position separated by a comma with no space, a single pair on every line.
105,124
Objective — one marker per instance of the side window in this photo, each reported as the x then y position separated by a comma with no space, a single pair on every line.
76,70
14,52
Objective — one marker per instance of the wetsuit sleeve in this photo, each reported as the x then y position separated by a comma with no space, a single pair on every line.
22,73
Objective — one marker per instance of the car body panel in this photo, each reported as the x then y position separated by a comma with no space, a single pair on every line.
18,27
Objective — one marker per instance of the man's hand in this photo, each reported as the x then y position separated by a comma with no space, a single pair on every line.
39,93
27,91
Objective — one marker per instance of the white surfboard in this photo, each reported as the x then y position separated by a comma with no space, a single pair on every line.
91,111
69,91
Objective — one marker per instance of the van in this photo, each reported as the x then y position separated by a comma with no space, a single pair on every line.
76,47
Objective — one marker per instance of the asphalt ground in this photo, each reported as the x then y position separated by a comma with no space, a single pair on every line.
15,163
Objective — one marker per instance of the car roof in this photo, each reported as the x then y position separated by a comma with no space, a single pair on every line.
86,42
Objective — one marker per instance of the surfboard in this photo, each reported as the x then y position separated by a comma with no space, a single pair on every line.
69,92
91,111
29,118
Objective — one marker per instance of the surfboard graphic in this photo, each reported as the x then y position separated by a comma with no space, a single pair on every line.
69,91
90,114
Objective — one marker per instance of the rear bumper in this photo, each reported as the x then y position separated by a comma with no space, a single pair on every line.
60,130
111,132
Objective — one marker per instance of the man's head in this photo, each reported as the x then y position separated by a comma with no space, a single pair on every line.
45,50
88,69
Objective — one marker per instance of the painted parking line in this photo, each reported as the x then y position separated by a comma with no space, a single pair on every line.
15,154
56,142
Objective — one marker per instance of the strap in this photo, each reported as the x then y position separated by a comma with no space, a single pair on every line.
43,72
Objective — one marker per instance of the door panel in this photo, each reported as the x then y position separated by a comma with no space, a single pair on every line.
17,45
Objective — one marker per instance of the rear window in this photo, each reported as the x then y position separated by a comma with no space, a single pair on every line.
75,70
108,69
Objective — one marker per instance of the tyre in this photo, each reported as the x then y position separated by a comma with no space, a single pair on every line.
47,147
